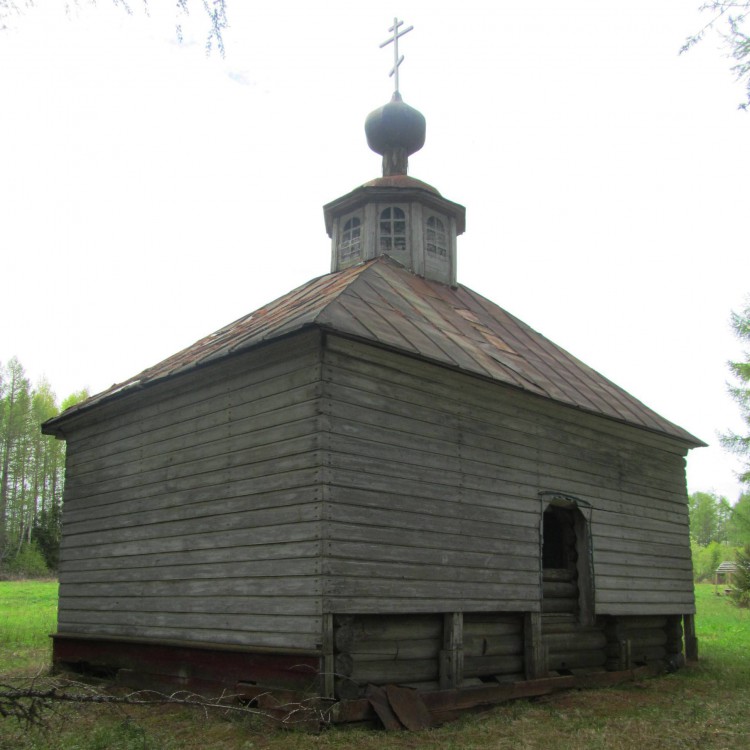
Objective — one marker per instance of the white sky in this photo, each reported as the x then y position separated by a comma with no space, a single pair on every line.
149,195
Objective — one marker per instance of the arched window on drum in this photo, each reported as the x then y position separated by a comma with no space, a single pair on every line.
392,230
351,239
436,238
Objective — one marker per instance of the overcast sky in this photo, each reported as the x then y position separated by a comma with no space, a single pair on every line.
150,194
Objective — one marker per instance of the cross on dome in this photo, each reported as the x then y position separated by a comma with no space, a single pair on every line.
394,39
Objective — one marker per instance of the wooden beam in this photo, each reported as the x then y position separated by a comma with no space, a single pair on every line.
691,641
535,656
452,655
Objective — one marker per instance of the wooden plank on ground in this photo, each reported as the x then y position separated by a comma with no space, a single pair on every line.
379,702
409,707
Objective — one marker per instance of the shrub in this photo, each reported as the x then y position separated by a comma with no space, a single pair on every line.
29,562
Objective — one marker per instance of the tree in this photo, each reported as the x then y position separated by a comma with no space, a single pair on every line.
13,408
704,517
32,469
738,526
741,579
215,10
740,391
728,18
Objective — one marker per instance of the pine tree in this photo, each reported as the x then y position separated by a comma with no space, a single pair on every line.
740,585
740,392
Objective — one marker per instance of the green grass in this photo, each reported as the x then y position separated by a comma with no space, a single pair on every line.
704,706
28,614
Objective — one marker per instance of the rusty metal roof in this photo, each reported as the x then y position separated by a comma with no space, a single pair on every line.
383,303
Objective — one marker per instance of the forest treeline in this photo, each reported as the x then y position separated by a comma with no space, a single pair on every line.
32,472
718,531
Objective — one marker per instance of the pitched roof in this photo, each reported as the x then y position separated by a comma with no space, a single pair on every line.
383,303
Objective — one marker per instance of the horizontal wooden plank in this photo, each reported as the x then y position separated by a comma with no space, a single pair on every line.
303,479
654,549
286,602
167,508
228,439
186,527
419,518
447,540
577,467
285,534
234,569
658,582
404,650
175,394
634,608
444,383
203,417
481,666
411,605
618,596
363,588
498,645
284,623
375,394
612,562
216,587
387,672
431,571
231,466
404,553
473,506
305,636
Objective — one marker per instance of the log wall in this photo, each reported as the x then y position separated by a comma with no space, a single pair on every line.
432,498
193,510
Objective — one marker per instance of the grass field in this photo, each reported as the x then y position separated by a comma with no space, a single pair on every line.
28,614
705,706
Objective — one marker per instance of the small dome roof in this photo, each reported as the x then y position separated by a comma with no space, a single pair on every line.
395,126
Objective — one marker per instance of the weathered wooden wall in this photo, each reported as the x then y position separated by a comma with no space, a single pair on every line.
243,502
433,480
193,509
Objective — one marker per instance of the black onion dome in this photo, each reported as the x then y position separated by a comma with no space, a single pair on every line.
395,126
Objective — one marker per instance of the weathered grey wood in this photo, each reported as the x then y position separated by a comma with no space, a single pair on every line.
201,418
691,641
343,665
246,637
483,666
383,628
558,660
672,608
384,673
409,604
560,590
178,460
560,605
452,654
446,383
437,541
534,652
174,394
365,388
390,650
484,406
159,589
579,640
245,570
492,623
207,626
384,552
501,645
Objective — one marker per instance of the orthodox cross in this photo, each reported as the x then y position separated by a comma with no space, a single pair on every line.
396,59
